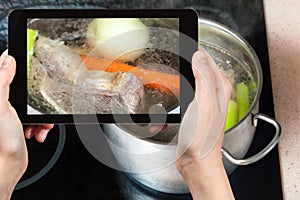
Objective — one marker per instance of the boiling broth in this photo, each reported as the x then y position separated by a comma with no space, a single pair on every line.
232,68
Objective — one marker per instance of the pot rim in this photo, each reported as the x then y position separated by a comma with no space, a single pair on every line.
253,55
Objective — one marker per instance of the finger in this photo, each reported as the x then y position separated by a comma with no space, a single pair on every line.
3,56
227,87
7,72
47,126
7,69
223,85
41,134
40,131
155,128
208,92
204,76
29,132
222,81
197,119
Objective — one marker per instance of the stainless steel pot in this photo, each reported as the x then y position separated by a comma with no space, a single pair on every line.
136,154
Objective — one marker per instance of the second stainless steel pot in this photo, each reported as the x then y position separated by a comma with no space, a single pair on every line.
153,163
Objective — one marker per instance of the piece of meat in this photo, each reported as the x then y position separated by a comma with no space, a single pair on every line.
101,92
59,60
35,98
60,83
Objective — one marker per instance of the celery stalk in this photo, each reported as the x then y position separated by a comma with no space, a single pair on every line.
31,35
252,86
231,114
242,97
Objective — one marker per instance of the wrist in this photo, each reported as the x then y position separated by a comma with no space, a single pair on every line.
200,174
14,162
188,165
191,161
11,170
204,176
14,167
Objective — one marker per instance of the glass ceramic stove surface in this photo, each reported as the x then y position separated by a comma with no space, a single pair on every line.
78,175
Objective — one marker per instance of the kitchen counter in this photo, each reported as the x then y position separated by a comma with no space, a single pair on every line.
283,32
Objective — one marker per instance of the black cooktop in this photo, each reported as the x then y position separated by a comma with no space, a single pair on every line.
78,175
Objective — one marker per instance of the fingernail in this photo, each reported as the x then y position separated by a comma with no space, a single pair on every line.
30,133
7,62
44,134
155,128
164,128
201,56
3,55
152,128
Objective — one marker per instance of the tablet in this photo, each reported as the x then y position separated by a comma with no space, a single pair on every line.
102,66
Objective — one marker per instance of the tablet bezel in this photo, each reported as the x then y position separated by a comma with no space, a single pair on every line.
17,41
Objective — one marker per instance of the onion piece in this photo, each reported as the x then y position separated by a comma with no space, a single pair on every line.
124,39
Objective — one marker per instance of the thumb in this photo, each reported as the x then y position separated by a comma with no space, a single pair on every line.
204,75
7,72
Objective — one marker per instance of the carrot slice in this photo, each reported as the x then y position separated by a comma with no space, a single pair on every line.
157,80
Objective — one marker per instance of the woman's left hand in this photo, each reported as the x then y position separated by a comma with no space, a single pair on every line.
13,152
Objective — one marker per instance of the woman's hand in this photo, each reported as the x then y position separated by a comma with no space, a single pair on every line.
202,132
13,152
39,131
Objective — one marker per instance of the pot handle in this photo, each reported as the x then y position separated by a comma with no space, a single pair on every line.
264,151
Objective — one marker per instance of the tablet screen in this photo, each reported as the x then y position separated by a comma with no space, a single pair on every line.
103,66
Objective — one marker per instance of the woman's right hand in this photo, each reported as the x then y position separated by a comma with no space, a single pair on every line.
205,177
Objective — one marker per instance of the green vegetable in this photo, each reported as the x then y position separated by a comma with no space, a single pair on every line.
242,97
252,86
231,114
31,35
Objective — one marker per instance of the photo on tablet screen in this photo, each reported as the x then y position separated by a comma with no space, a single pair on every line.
103,66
